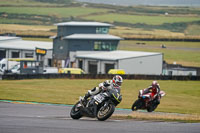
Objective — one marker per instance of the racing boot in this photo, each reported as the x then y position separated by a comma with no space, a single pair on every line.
84,100
157,101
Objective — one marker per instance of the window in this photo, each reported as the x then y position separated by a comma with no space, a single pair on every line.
29,55
15,54
104,46
97,46
80,64
15,67
30,64
2,54
108,67
92,67
49,62
113,47
3,65
102,30
25,65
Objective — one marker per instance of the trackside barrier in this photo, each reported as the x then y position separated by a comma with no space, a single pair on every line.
95,76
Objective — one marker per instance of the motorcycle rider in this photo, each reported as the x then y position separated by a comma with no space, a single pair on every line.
153,92
115,83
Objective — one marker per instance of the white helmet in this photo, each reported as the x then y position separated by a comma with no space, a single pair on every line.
154,84
117,80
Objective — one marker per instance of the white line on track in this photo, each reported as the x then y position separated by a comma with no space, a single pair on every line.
69,118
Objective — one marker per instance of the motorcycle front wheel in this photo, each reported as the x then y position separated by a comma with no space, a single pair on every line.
137,105
76,112
105,112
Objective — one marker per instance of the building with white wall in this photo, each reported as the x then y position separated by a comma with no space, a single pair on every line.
133,62
15,47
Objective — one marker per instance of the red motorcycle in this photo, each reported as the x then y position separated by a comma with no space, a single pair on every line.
145,102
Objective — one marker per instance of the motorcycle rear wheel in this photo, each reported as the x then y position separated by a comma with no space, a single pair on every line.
75,112
105,112
152,107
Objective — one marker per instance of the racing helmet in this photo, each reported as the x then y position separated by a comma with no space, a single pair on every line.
154,84
117,80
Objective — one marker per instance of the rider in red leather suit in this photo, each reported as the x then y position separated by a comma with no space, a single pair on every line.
152,91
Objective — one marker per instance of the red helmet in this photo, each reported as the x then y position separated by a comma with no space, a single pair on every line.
154,84
117,80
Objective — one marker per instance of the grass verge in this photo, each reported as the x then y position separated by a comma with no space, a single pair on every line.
182,96
172,117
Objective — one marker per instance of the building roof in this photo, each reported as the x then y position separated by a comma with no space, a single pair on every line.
10,43
75,23
93,37
8,38
117,55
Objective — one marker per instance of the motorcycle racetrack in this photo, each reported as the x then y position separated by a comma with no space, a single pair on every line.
49,118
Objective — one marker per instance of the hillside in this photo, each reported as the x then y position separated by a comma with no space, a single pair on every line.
131,22
147,2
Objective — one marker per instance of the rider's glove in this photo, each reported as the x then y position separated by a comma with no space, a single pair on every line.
104,88
139,96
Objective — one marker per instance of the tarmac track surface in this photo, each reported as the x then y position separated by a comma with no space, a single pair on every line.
37,118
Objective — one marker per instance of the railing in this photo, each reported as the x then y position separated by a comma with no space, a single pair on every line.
95,76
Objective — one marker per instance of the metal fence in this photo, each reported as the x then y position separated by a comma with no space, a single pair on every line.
95,76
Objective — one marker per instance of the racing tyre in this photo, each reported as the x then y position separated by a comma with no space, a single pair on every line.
152,107
137,105
105,112
76,112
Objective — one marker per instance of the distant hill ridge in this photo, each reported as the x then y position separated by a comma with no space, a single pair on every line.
147,2
55,1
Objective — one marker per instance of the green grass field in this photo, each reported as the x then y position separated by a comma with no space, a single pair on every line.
186,58
59,12
144,19
16,2
185,53
182,96
33,2
177,44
